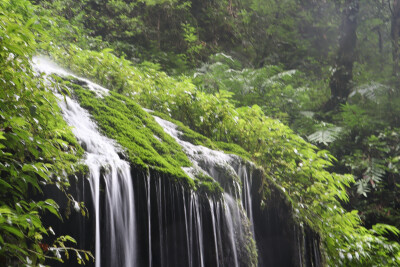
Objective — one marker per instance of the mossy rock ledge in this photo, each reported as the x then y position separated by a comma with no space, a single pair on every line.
155,155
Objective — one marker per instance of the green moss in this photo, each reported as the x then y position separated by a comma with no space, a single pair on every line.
250,249
198,139
208,185
145,142
188,134
233,149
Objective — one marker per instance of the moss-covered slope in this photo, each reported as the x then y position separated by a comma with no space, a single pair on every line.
143,140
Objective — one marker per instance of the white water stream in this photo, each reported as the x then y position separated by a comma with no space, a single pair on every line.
118,240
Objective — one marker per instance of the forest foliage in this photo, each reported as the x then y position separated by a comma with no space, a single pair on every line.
255,73
37,149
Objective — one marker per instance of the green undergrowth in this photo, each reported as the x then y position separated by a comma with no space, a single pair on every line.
37,148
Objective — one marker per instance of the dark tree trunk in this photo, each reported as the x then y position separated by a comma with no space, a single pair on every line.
380,40
395,31
340,81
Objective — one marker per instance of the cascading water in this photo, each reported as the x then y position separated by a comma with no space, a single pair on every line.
195,207
215,226
232,218
116,246
219,166
44,65
246,195
103,162
149,218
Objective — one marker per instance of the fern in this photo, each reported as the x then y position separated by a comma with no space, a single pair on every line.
371,91
384,229
371,177
307,114
326,134
374,173
362,187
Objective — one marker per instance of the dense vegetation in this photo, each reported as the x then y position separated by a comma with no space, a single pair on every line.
267,76
37,148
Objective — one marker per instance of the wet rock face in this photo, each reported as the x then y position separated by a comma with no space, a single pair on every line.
182,227
281,241
74,224
185,229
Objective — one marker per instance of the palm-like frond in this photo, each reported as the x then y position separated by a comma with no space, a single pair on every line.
371,91
325,135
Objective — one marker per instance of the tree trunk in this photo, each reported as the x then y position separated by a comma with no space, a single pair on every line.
340,81
395,30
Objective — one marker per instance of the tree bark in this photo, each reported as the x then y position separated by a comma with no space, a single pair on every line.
340,82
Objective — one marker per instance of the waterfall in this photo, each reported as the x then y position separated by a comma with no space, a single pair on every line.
213,163
44,65
179,226
232,218
197,222
115,233
215,228
221,167
118,241
160,219
246,196
149,218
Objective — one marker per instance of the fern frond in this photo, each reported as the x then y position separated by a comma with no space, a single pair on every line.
383,229
374,172
325,135
371,91
362,187
307,114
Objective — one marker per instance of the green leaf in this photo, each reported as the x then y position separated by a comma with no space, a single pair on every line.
383,229
52,206
5,210
13,230
4,185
